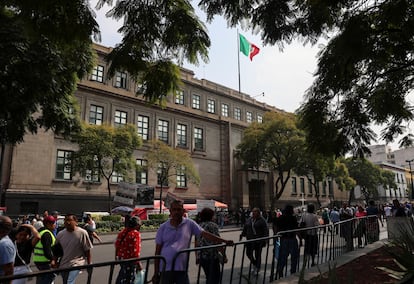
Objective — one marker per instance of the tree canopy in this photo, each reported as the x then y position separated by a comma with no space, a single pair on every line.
369,176
168,162
317,168
276,144
156,36
105,150
364,72
46,49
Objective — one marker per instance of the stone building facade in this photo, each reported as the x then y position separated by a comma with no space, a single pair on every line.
206,119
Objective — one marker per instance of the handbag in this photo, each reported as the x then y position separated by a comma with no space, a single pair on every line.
222,258
29,270
139,276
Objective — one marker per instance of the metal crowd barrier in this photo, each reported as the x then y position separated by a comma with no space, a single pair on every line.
146,262
334,240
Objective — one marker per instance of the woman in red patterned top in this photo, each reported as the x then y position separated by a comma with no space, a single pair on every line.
127,246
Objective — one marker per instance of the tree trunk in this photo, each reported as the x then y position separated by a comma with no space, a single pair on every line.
108,186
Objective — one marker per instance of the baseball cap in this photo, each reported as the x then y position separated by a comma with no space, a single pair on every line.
49,219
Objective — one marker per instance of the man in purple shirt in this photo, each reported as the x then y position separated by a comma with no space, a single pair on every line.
173,236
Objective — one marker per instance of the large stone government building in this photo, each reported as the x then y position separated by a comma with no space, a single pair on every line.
206,119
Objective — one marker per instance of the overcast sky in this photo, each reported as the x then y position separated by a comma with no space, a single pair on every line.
282,77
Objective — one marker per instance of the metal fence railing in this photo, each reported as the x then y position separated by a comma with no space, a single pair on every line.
110,269
332,241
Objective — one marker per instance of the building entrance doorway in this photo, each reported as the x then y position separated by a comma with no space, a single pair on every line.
256,194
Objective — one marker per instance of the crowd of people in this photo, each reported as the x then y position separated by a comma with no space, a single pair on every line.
39,237
71,247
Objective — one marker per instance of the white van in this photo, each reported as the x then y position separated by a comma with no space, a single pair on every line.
96,215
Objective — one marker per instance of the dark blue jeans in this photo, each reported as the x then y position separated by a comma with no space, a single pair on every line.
46,278
254,253
175,277
288,246
211,267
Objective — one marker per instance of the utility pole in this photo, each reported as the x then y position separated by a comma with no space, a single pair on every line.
411,177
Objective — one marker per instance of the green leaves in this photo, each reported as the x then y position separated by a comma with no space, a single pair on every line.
276,144
172,160
155,35
364,73
45,50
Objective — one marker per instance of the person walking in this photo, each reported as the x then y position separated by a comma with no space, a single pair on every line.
372,225
7,248
76,247
310,220
334,217
255,227
360,225
90,227
173,236
288,241
209,259
127,246
346,214
44,257
25,238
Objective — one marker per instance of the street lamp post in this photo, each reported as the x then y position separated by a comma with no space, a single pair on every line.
411,177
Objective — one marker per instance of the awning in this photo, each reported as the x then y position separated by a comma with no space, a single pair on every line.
190,207
219,204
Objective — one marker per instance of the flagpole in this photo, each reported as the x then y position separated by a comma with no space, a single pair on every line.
238,58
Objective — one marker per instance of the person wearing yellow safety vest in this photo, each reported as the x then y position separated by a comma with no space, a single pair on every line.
43,251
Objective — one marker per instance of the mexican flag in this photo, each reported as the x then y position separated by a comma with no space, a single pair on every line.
247,48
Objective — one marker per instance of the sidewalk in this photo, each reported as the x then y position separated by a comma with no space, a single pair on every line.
343,259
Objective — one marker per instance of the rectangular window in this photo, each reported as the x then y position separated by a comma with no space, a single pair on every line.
179,98
141,174
196,102
225,110
163,130
211,106
310,189
116,178
96,115
330,187
120,118
198,139
92,175
302,185
121,80
294,188
181,135
259,118
324,188
181,177
143,126
162,175
64,165
97,73
249,117
237,113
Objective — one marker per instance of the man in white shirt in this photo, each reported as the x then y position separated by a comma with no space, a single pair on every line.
387,210
7,248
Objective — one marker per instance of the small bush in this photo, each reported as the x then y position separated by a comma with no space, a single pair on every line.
108,226
162,217
113,218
